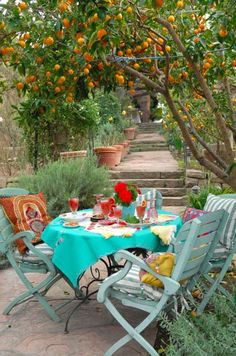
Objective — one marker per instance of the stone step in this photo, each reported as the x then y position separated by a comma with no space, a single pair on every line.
138,142
154,183
175,201
174,209
166,192
148,131
121,175
143,148
149,125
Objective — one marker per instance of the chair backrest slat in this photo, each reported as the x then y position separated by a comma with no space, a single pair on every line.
194,262
6,230
198,242
11,192
199,251
188,274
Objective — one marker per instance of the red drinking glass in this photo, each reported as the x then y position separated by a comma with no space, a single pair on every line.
73,204
140,210
117,211
106,206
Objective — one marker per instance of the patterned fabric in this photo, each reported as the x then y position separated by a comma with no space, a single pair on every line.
26,212
161,263
192,213
131,285
216,202
31,257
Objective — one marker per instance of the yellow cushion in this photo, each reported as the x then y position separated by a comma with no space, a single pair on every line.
161,263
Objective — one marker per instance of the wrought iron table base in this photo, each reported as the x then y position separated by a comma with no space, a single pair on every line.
83,293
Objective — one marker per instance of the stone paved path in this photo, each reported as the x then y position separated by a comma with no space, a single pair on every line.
28,331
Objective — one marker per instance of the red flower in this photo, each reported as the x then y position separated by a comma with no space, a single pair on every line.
119,187
125,196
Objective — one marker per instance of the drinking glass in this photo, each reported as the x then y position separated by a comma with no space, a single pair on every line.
117,211
106,206
140,207
97,210
73,204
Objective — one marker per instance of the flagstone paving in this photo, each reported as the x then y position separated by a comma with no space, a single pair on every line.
28,331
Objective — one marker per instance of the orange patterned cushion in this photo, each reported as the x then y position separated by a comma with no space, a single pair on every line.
26,212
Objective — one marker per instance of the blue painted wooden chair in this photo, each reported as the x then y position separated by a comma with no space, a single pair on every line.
193,247
224,251
37,260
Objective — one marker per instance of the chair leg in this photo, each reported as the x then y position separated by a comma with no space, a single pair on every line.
219,287
133,333
215,285
33,291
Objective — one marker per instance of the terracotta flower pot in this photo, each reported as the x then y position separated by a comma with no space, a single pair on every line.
120,149
124,151
107,156
129,133
127,142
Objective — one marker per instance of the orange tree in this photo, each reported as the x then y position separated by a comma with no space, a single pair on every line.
182,50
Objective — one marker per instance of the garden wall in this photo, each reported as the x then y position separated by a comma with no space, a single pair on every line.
201,178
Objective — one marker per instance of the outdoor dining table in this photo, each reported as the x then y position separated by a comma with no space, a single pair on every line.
76,249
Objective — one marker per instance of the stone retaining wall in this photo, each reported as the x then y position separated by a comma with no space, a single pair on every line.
200,178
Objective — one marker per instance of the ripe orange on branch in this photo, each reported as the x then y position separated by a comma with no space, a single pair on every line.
159,3
80,41
223,32
180,4
88,57
66,22
91,85
20,85
48,41
171,19
129,10
61,80
22,5
101,33
62,7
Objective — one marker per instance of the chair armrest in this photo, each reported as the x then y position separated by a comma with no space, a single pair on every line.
27,236
21,235
170,285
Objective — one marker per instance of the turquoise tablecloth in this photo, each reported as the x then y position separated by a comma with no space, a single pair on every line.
76,249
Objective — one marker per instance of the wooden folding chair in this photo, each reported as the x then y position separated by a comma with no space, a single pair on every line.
37,260
192,247
221,260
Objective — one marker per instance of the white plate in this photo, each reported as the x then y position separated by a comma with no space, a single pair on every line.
79,216
71,224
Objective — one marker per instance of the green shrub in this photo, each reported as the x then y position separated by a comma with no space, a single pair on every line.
108,134
61,180
198,200
211,334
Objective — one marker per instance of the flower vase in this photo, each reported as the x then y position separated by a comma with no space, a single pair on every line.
128,210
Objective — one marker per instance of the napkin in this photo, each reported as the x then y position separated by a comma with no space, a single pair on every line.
109,231
165,233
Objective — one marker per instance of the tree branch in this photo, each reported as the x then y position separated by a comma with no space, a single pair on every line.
200,140
187,137
150,83
209,98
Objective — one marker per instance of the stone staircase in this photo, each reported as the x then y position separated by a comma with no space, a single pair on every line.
151,165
